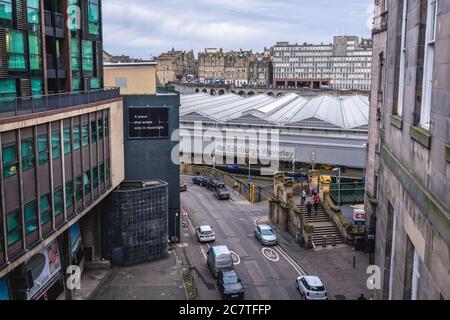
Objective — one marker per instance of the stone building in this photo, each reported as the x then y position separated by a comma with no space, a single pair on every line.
408,174
343,65
237,67
261,70
211,66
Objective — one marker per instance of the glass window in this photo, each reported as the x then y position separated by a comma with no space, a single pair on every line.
31,223
33,11
93,17
108,173
42,149
27,154
7,90
76,137
74,10
14,233
75,54
6,9
85,134
87,182
45,208
9,157
87,53
69,194
37,88
95,178
15,46
101,169
67,141
58,201
56,145
34,44
100,129
78,188
93,131
76,84
106,126
95,83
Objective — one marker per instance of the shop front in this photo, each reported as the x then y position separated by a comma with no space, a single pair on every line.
76,249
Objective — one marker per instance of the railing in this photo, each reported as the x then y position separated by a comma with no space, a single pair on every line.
48,19
59,21
347,193
11,107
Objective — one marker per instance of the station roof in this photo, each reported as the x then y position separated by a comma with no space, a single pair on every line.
349,112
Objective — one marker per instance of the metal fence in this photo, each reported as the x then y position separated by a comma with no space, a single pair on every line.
347,193
10,107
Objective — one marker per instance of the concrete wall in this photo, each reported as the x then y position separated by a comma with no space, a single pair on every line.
150,159
140,79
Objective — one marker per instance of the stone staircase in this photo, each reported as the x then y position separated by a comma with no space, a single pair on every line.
326,233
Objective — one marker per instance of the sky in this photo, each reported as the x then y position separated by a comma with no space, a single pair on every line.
146,28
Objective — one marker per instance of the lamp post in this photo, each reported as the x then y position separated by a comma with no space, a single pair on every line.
339,184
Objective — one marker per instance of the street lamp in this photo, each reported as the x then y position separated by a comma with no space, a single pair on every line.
339,184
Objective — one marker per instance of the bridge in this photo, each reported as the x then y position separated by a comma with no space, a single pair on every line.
248,91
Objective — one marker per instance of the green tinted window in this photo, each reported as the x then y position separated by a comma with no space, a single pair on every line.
14,233
27,154
87,182
75,84
45,208
93,18
95,83
76,137
101,169
67,141
9,157
33,11
93,131
56,145
85,134
42,149
37,88
31,223
100,129
69,194
58,201
34,44
6,9
78,188
87,53
15,47
75,54
95,177
7,90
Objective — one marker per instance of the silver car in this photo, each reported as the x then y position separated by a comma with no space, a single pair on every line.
266,235
205,234
311,288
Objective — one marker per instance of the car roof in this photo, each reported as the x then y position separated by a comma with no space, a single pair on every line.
205,228
229,273
219,250
313,281
264,226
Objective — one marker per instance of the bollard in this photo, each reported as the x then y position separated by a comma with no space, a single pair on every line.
354,262
334,240
324,241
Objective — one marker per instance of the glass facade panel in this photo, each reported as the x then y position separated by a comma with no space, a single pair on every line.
6,9
33,11
58,201
56,145
45,208
67,141
14,233
75,54
9,158
27,154
95,178
93,18
95,83
87,182
7,90
87,52
78,189
93,131
76,137
31,223
42,149
34,45
69,194
85,134
37,87
15,46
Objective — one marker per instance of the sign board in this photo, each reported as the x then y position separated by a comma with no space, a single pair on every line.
75,238
43,268
148,123
4,293
359,217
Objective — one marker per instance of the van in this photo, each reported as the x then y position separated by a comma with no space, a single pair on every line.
219,259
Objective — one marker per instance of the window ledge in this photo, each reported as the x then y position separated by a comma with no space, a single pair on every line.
396,121
447,152
421,136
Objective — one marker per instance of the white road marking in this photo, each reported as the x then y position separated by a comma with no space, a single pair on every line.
270,254
236,258
292,262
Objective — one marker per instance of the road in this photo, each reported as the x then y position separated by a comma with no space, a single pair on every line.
266,273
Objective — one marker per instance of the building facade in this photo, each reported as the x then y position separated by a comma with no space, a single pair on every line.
261,71
132,78
176,66
211,66
408,177
237,67
59,156
343,65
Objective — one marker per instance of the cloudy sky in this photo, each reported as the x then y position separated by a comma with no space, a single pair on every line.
142,28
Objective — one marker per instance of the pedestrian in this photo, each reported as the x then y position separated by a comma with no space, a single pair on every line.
316,198
303,197
362,297
316,207
309,208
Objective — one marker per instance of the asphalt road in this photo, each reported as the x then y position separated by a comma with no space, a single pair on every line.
266,273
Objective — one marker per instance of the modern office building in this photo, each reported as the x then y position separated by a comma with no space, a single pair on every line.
408,174
61,137
343,65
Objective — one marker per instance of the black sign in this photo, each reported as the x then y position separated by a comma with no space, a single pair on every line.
144,123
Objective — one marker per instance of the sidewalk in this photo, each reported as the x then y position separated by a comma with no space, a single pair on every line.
159,280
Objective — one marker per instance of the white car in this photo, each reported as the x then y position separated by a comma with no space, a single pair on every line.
205,234
311,288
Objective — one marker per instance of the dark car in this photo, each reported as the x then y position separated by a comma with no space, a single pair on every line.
198,180
222,192
211,185
230,286
205,181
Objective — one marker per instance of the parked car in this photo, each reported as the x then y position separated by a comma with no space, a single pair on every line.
311,288
183,187
222,192
266,235
229,285
211,185
219,259
198,180
205,181
205,234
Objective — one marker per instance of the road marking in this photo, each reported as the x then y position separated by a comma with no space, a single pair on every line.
270,254
236,258
292,262
203,255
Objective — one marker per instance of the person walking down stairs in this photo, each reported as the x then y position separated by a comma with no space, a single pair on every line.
316,204
309,208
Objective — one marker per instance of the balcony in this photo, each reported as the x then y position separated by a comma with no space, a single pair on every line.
56,67
54,24
12,107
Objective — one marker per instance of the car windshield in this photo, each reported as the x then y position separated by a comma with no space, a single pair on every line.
317,289
230,279
207,233
220,186
267,232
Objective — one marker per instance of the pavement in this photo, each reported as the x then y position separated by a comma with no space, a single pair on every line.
159,280
266,273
